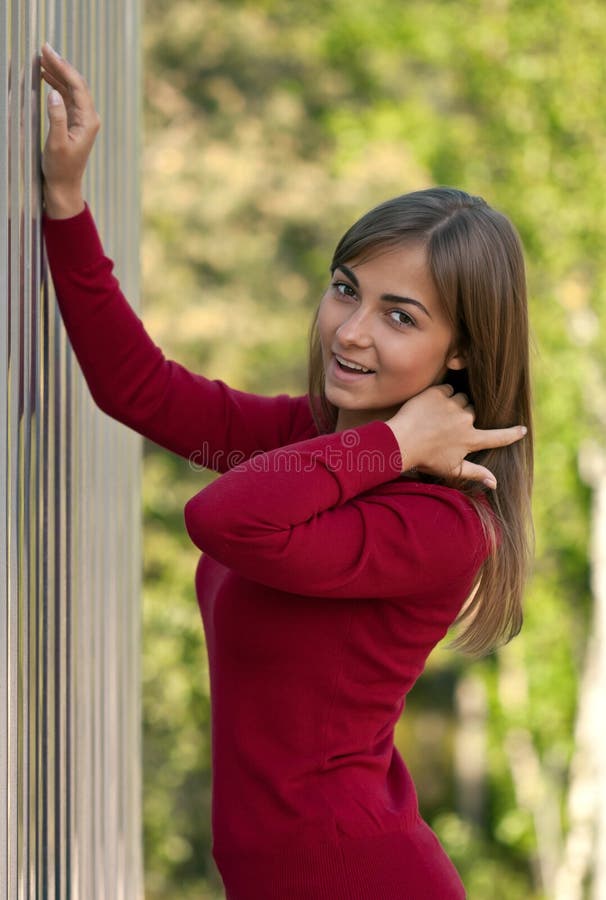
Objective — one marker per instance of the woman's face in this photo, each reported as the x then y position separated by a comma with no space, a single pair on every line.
383,314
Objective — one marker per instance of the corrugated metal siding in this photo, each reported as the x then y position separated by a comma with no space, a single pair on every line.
69,492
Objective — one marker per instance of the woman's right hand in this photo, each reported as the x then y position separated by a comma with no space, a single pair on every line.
73,126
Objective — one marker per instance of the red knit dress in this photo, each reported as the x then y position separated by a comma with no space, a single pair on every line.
325,581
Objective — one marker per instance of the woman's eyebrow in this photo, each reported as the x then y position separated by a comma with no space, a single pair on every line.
389,298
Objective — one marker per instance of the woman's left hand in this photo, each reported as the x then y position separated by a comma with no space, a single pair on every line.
435,432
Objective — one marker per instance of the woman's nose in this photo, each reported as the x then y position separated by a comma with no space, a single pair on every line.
356,329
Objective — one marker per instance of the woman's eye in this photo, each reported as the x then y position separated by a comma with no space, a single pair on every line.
341,287
405,320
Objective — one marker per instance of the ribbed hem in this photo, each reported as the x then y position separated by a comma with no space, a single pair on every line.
63,235
368,440
392,866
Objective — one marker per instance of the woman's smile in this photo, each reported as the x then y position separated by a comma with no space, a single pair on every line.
347,370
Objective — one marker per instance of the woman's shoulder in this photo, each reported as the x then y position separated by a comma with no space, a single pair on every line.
448,513
301,425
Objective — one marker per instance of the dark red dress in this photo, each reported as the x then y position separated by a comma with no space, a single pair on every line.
326,580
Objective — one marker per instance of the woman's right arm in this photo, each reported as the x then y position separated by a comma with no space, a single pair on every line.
128,375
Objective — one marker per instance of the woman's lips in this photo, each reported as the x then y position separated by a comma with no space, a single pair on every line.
347,377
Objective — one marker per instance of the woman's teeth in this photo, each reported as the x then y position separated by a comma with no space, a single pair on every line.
353,367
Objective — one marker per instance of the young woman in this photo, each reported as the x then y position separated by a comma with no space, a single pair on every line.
350,527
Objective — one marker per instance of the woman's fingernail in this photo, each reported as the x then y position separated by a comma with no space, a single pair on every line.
524,430
54,98
490,482
52,50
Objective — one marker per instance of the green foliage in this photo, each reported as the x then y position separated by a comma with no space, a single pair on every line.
270,125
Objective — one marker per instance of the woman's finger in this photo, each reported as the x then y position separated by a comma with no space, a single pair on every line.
66,74
57,85
462,399
471,472
446,389
57,115
485,439
57,66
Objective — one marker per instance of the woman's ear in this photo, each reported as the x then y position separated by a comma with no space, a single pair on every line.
456,361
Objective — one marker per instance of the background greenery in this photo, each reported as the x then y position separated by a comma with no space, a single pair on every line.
270,126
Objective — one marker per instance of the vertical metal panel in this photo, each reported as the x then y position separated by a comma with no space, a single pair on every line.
70,550
4,437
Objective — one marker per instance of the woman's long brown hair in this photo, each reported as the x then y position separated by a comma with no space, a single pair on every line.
477,263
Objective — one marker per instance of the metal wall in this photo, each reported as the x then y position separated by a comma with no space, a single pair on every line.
69,492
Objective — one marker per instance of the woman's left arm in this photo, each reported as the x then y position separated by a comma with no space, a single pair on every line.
312,518
316,518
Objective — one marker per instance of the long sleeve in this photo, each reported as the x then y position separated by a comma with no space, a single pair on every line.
130,379
327,517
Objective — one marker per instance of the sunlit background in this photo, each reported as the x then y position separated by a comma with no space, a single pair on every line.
270,126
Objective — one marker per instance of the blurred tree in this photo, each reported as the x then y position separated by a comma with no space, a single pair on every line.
270,126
